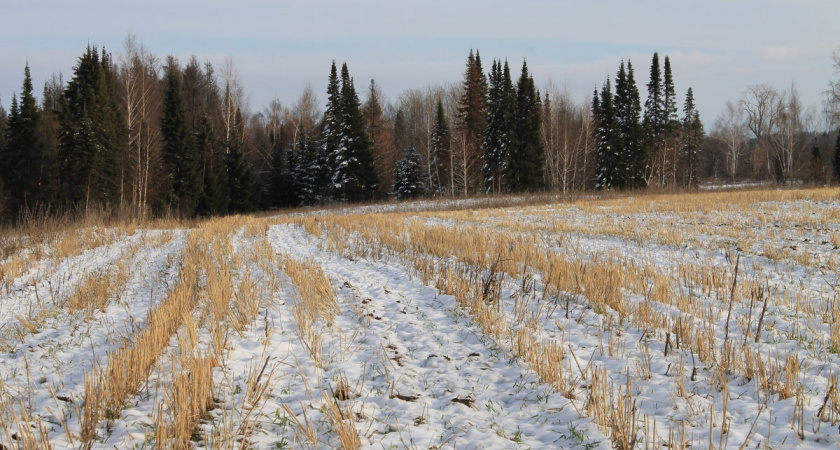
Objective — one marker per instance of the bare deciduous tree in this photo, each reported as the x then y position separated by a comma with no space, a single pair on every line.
730,129
140,94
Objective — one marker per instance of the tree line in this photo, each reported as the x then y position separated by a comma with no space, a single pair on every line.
142,137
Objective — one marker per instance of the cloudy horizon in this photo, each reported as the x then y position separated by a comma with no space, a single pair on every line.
718,48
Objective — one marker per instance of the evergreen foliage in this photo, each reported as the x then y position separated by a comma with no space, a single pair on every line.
630,162
183,180
692,139
836,161
21,159
345,142
304,169
408,178
441,153
609,142
241,181
472,122
215,195
93,136
524,168
500,112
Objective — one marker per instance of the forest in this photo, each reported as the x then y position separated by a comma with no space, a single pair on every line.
135,135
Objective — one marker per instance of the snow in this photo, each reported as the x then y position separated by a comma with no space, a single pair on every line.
411,367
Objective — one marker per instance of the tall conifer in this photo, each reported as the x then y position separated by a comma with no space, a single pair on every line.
441,153
22,159
692,139
182,177
93,136
526,158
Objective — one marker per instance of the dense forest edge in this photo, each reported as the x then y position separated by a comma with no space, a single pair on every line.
140,137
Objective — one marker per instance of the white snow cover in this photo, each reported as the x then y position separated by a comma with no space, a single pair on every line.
409,367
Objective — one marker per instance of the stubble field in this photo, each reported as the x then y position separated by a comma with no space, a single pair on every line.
706,320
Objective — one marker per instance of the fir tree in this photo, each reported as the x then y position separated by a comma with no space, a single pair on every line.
441,153
182,177
524,171
93,136
408,178
692,138
22,157
497,137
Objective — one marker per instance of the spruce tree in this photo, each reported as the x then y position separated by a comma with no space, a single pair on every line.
836,161
215,195
630,161
472,123
408,178
671,123
280,188
345,142
608,139
362,181
441,153
304,166
526,158
241,180
21,161
498,135
93,137
379,136
654,104
692,139
182,185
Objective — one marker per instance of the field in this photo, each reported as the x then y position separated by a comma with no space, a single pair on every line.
705,320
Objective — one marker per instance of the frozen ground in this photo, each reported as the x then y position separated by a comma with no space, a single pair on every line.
410,364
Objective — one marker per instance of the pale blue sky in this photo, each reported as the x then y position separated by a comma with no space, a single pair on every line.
717,47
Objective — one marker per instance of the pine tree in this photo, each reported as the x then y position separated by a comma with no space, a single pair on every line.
93,137
692,138
497,137
183,182
408,178
524,171
22,158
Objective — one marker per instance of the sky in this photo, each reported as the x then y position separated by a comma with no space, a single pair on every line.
716,47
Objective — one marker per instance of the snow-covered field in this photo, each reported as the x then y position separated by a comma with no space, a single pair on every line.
709,320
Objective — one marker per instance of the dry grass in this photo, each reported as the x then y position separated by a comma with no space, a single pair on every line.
472,253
